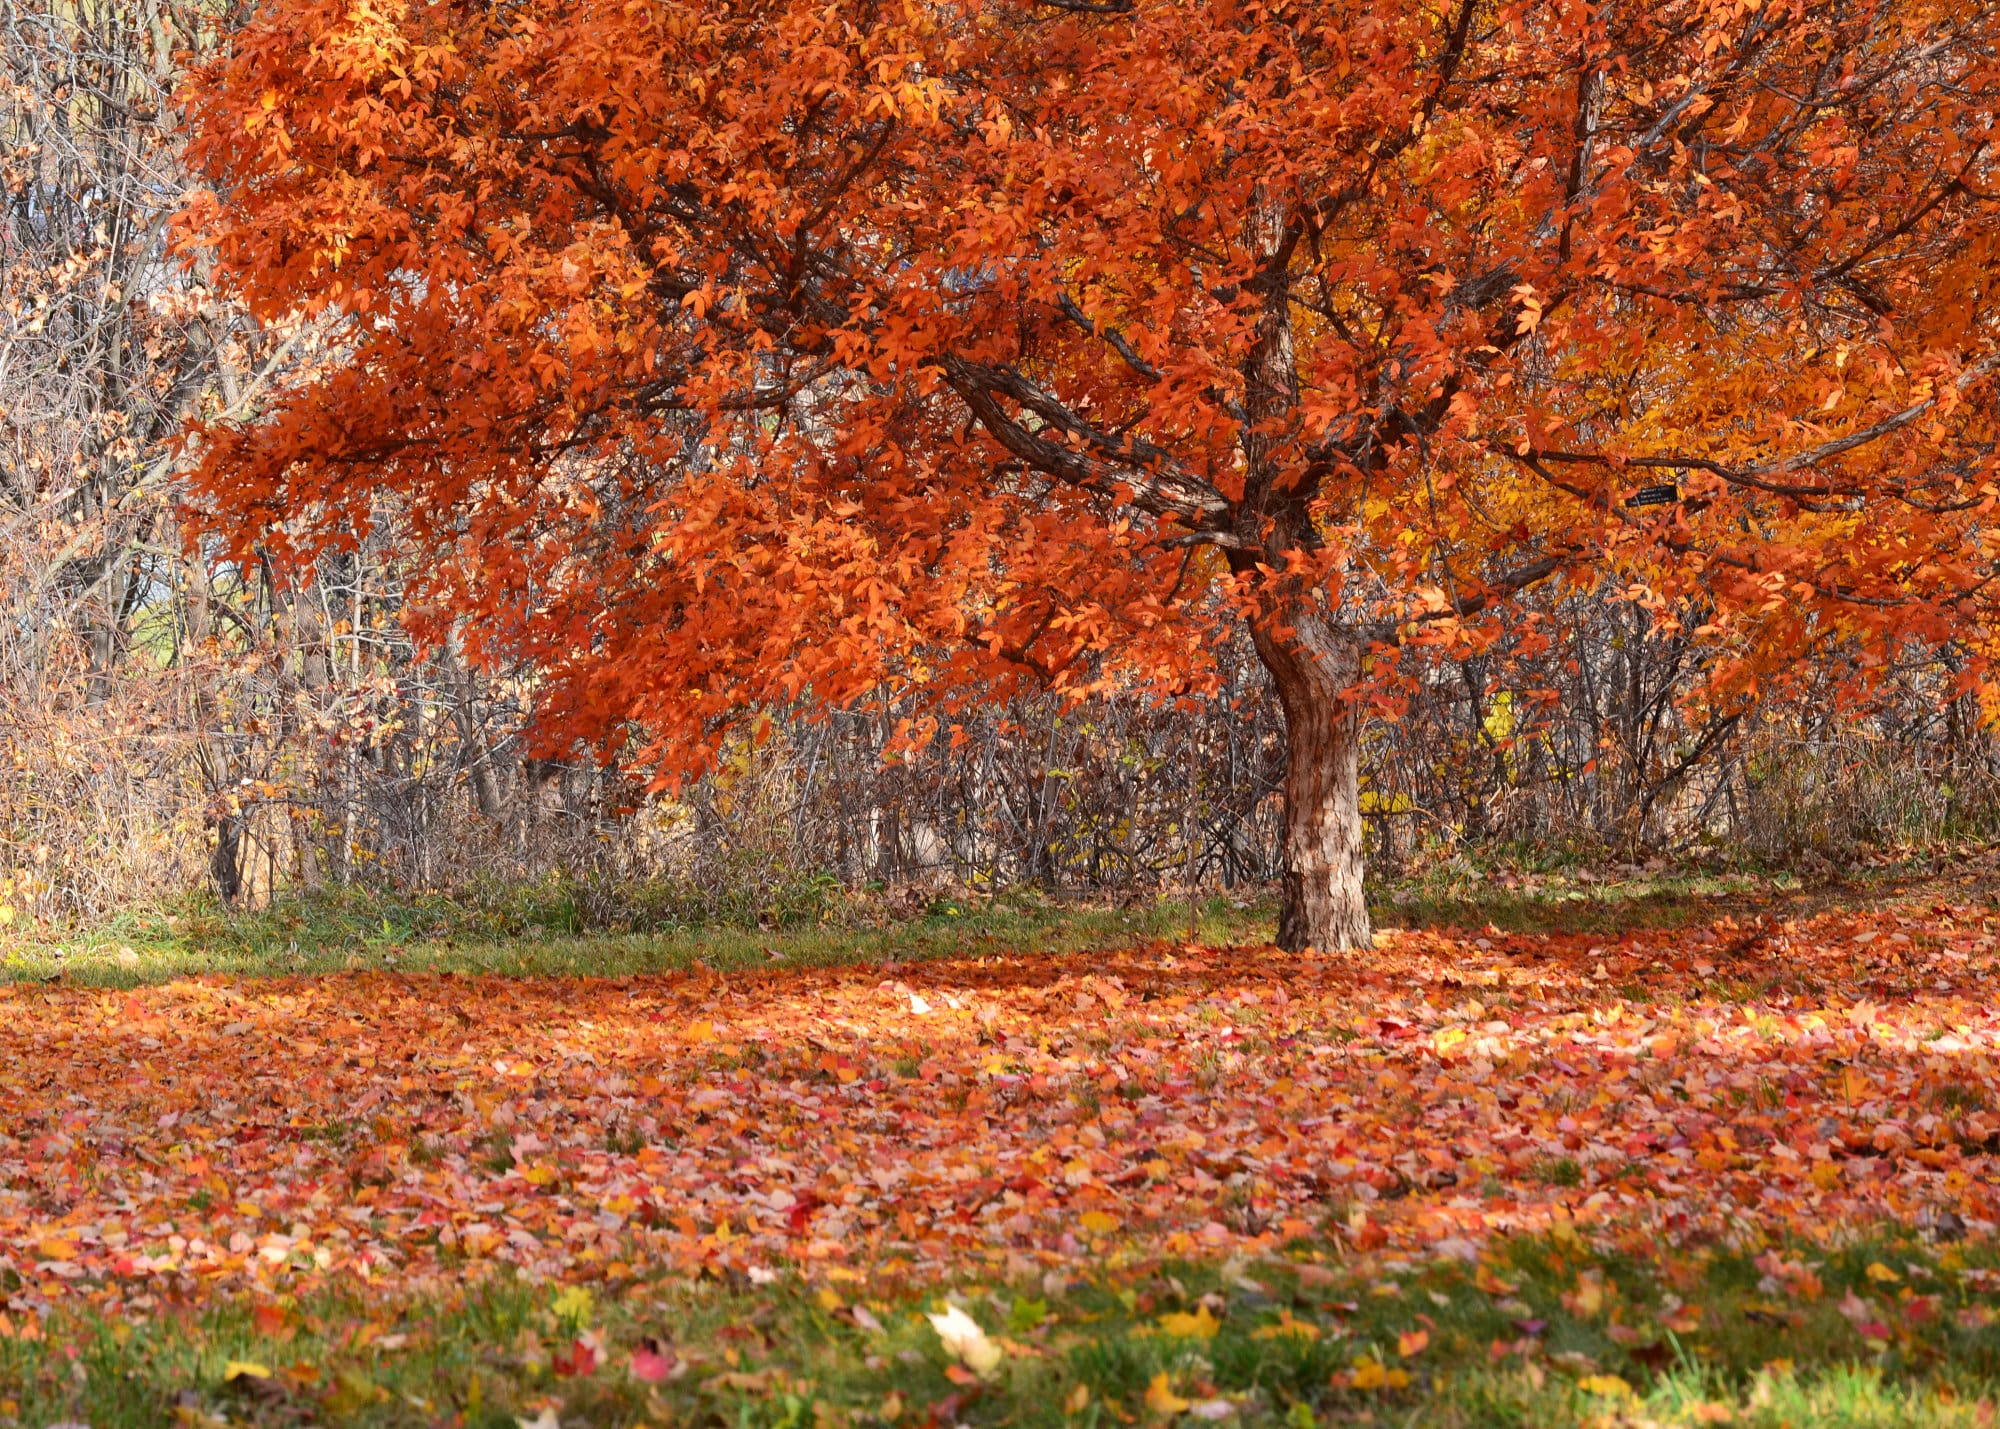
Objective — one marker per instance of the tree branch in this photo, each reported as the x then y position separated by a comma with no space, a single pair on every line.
1756,477
1111,335
1158,483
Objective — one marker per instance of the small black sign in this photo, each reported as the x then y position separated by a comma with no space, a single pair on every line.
1655,496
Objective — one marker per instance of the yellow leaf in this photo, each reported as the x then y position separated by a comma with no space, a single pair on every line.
538,1175
1079,1399
1286,1329
1882,1274
573,1304
245,1369
1448,1040
1587,1300
1161,1399
53,1249
1371,1373
1607,1386
701,1032
1099,1222
1199,1326
829,1299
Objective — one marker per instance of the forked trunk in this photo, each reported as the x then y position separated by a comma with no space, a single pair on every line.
1314,663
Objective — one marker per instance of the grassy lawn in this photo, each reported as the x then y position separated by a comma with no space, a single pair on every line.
1538,1332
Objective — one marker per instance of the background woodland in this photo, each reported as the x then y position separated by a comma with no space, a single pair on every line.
172,725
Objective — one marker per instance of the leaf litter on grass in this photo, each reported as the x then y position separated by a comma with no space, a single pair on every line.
213,1137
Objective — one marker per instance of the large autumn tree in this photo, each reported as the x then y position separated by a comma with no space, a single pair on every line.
731,354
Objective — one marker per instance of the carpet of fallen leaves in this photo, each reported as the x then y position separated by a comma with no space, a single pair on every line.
206,1137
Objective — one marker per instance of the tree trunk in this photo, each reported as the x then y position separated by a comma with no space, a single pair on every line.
1314,661
225,862
1314,664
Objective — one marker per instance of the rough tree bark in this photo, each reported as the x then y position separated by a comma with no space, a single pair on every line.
1315,665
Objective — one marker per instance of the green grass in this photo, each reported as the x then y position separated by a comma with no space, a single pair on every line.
335,932
1541,1333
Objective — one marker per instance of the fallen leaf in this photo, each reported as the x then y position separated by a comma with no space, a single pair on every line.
1161,1399
1371,1373
1285,1327
653,1363
578,1360
1684,1321
965,1341
1201,1325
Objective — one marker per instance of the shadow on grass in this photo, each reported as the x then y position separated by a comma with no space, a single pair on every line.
338,933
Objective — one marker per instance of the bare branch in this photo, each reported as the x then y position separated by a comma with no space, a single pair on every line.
1159,484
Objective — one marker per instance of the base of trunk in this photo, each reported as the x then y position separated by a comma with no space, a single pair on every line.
1316,666
1320,919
